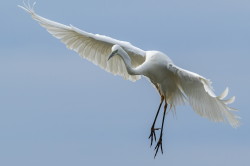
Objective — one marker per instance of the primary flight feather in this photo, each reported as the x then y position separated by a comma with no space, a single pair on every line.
174,84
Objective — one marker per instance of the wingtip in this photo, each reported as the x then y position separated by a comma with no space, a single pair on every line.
230,101
224,93
27,7
236,124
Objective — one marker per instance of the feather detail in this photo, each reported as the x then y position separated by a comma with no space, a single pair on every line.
201,97
224,94
93,47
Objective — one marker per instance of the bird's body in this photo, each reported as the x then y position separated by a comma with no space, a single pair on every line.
155,67
174,84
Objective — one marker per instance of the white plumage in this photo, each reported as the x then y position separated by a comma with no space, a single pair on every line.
175,85
93,47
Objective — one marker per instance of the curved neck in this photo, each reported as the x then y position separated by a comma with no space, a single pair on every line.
127,61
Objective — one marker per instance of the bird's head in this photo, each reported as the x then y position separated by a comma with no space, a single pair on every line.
115,50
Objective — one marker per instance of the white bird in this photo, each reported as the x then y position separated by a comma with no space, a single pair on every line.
175,85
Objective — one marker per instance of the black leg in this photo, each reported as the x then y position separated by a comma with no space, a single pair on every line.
159,144
152,135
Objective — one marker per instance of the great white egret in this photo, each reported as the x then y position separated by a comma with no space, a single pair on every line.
174,84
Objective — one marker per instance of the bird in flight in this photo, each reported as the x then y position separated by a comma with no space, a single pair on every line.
175,85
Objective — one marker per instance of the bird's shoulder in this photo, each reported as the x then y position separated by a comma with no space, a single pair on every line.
158,57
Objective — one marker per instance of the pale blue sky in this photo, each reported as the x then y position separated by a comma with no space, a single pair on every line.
59,109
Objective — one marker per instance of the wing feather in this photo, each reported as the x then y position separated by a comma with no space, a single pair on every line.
201,97
95,48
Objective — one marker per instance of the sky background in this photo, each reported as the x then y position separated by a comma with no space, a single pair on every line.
59,109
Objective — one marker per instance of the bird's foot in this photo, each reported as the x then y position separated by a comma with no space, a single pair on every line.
152,135
159,145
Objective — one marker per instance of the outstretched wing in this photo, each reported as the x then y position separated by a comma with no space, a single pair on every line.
201,97
96,48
